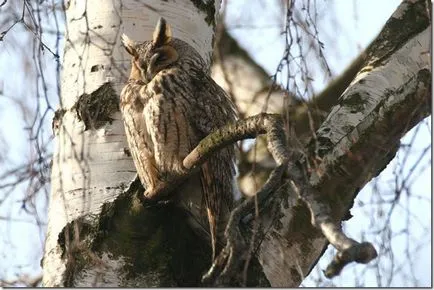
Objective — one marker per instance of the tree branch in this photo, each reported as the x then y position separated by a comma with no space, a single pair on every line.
271,124
225,267
358,139
348,249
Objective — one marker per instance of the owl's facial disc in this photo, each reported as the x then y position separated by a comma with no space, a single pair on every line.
162,58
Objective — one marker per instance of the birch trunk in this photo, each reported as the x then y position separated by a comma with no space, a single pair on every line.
91,166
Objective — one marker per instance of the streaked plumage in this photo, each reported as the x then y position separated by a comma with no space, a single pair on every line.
169,104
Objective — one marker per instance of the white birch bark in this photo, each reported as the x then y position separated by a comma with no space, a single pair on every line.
90,167
360,130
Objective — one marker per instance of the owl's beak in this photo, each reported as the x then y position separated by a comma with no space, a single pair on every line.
149,75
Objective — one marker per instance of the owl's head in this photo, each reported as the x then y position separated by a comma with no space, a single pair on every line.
163,51
150,57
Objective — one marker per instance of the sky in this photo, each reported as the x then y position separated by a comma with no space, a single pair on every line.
358,23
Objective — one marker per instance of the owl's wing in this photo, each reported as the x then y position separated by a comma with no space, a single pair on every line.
214,110
140,145
215,107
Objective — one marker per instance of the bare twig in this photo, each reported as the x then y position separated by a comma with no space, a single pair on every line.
21,19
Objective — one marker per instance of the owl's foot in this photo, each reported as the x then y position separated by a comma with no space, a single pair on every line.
155,196
148,203
162,191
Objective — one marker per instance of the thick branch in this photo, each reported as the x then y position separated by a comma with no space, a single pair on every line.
227,263
388,97
251,127
348,250
243,129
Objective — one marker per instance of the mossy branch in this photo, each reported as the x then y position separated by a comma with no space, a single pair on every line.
226,265
271,124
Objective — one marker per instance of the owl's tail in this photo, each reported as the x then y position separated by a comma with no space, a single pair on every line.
213,231
212,204
217,188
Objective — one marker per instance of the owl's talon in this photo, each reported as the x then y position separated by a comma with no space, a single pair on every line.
165,202
149,203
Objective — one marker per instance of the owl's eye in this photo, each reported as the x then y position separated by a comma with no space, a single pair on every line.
142,64
161,58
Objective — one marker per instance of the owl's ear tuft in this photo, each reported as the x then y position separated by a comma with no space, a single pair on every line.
129,44
162,33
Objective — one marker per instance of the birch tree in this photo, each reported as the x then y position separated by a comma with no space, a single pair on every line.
99,234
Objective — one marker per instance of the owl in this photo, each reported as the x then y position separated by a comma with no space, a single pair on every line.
169,104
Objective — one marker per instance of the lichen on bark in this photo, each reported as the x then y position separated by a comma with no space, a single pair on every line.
410,19
95,109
